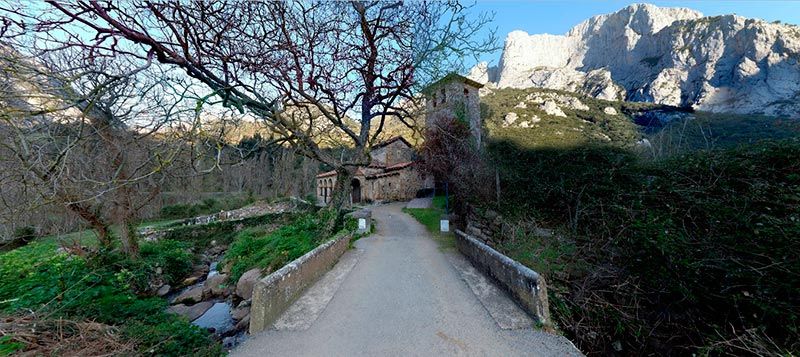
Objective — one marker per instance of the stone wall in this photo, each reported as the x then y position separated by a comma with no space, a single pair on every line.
273,294
526,286
490,228
393,153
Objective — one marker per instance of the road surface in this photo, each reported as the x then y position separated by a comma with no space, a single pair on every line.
399,293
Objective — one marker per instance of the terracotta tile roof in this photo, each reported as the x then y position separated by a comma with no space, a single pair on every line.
399,166
391,140
327,174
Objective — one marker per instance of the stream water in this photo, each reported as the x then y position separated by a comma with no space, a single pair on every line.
218,318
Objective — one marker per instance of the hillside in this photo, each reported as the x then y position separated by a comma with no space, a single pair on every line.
671,56
551,119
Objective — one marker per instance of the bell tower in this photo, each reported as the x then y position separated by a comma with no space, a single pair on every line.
455,96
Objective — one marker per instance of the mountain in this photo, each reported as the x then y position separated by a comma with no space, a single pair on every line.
672,56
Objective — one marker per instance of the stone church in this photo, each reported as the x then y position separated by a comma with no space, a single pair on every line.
393,174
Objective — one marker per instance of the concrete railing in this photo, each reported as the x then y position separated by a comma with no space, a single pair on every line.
526,286
273,294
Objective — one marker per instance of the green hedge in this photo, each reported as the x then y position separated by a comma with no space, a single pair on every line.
685,255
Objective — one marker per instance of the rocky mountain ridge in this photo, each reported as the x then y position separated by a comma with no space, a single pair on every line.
672,56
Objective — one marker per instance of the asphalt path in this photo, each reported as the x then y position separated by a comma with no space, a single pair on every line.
400,297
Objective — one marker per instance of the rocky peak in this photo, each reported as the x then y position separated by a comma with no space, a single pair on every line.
673,56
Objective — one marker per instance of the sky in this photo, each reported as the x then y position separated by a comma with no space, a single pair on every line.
557,17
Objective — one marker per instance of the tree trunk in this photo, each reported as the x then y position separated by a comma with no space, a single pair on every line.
340,198
97,223
130,239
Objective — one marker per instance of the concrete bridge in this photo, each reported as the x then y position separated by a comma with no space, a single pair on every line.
400,292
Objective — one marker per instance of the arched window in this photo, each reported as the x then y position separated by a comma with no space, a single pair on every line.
466,91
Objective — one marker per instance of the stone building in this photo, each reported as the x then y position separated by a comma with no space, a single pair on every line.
391,176
455,95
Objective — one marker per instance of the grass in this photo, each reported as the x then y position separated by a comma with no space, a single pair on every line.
270,250
578,128
430,218
40,282
102,288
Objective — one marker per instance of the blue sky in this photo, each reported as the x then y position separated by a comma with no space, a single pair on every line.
557,17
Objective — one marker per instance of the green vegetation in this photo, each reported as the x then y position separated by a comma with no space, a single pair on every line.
430,217
270,250
693,253
207,206
578,128
104,288
718,131
110,289
683,246
223,232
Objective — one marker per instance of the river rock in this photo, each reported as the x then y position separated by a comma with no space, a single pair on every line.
240,313
244,287
192,312
163,290
243,324
191,296
190,280
215,285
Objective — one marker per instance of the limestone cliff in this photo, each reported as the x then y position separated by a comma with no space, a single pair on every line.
673,56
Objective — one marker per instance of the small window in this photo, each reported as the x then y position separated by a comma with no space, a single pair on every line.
444,95
466,92
434,100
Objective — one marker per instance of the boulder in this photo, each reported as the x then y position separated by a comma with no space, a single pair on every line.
240,313
243,324
191,296
610,111
192,312
216,284
163,290
509,119
552,108
190,280
244,287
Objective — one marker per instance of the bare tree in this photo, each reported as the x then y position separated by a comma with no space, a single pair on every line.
327,61
87,135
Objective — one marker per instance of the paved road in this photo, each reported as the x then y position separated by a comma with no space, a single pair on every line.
402,297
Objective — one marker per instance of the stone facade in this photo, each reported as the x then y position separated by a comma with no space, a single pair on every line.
455,95
391,176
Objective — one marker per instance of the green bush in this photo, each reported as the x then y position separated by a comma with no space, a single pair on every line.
25,234
677,256
102,288
257,247
224,232
207,206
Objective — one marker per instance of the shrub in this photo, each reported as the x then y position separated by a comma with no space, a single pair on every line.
224,232
691,254
25,234
207,206
257,247
102,288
